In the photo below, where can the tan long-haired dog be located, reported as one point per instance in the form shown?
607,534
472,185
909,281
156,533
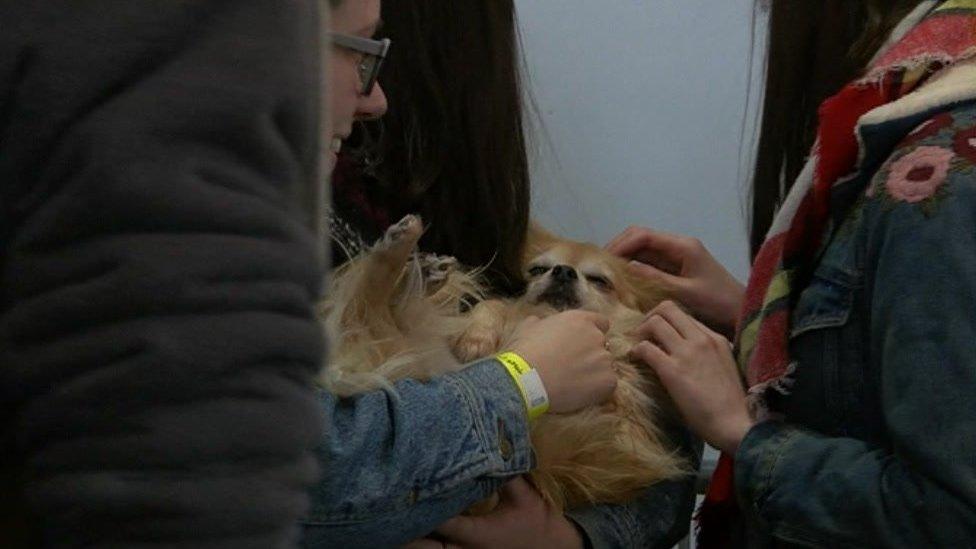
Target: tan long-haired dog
394,314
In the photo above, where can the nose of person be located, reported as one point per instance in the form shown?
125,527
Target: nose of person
372,106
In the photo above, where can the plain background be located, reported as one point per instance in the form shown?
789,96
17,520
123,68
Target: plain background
643,109
645,115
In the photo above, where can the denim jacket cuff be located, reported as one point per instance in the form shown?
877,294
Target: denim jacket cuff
500,417
756,463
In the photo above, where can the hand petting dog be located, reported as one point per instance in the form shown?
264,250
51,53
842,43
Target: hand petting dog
684,268
696,367
694,363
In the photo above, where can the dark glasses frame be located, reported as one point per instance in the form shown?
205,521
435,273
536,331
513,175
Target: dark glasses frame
374,52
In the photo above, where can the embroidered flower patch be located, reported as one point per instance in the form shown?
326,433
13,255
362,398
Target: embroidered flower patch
964,143
929,128
919,174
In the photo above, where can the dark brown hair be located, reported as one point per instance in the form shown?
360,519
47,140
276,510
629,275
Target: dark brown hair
452,146
815,48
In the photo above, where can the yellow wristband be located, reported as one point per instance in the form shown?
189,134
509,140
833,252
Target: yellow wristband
529,383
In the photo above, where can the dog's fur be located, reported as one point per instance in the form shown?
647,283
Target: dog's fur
394,314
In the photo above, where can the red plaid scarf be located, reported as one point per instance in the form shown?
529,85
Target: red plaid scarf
945,36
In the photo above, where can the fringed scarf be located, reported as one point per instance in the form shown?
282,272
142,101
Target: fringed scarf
933,38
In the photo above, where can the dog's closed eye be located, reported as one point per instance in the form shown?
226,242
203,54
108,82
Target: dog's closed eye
538,270
601,282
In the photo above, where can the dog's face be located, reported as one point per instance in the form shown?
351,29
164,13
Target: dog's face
574,275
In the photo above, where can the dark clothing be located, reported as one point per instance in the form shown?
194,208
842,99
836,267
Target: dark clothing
158,271
358,217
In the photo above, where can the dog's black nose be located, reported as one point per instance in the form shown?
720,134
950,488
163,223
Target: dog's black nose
563,273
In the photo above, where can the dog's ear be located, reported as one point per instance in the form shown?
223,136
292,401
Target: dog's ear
649,293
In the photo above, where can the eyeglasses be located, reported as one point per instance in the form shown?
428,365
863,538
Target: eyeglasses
374,52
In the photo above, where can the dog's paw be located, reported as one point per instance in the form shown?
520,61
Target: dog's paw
401,236
408,227
477,342
436,268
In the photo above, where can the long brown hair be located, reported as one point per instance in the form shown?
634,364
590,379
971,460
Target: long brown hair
815,48
452,146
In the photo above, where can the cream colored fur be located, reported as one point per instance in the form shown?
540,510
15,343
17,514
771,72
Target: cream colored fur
393,314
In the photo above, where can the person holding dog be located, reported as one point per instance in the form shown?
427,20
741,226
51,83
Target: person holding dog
454,147
844,412
398,463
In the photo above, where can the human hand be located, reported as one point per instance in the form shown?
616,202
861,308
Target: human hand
696,366
521,520
687,271
569,350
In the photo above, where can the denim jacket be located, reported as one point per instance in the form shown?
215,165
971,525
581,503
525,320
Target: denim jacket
398,463
878,446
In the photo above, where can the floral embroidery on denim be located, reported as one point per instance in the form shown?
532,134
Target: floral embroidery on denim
917,177
964,143
924,166
929,128
919,174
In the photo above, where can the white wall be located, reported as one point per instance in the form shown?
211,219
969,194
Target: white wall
642,105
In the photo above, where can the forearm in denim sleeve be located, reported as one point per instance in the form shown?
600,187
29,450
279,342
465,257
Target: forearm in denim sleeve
411,457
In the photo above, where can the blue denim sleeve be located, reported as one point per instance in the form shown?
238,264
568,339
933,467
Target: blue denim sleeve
659,518
397,463
919,490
